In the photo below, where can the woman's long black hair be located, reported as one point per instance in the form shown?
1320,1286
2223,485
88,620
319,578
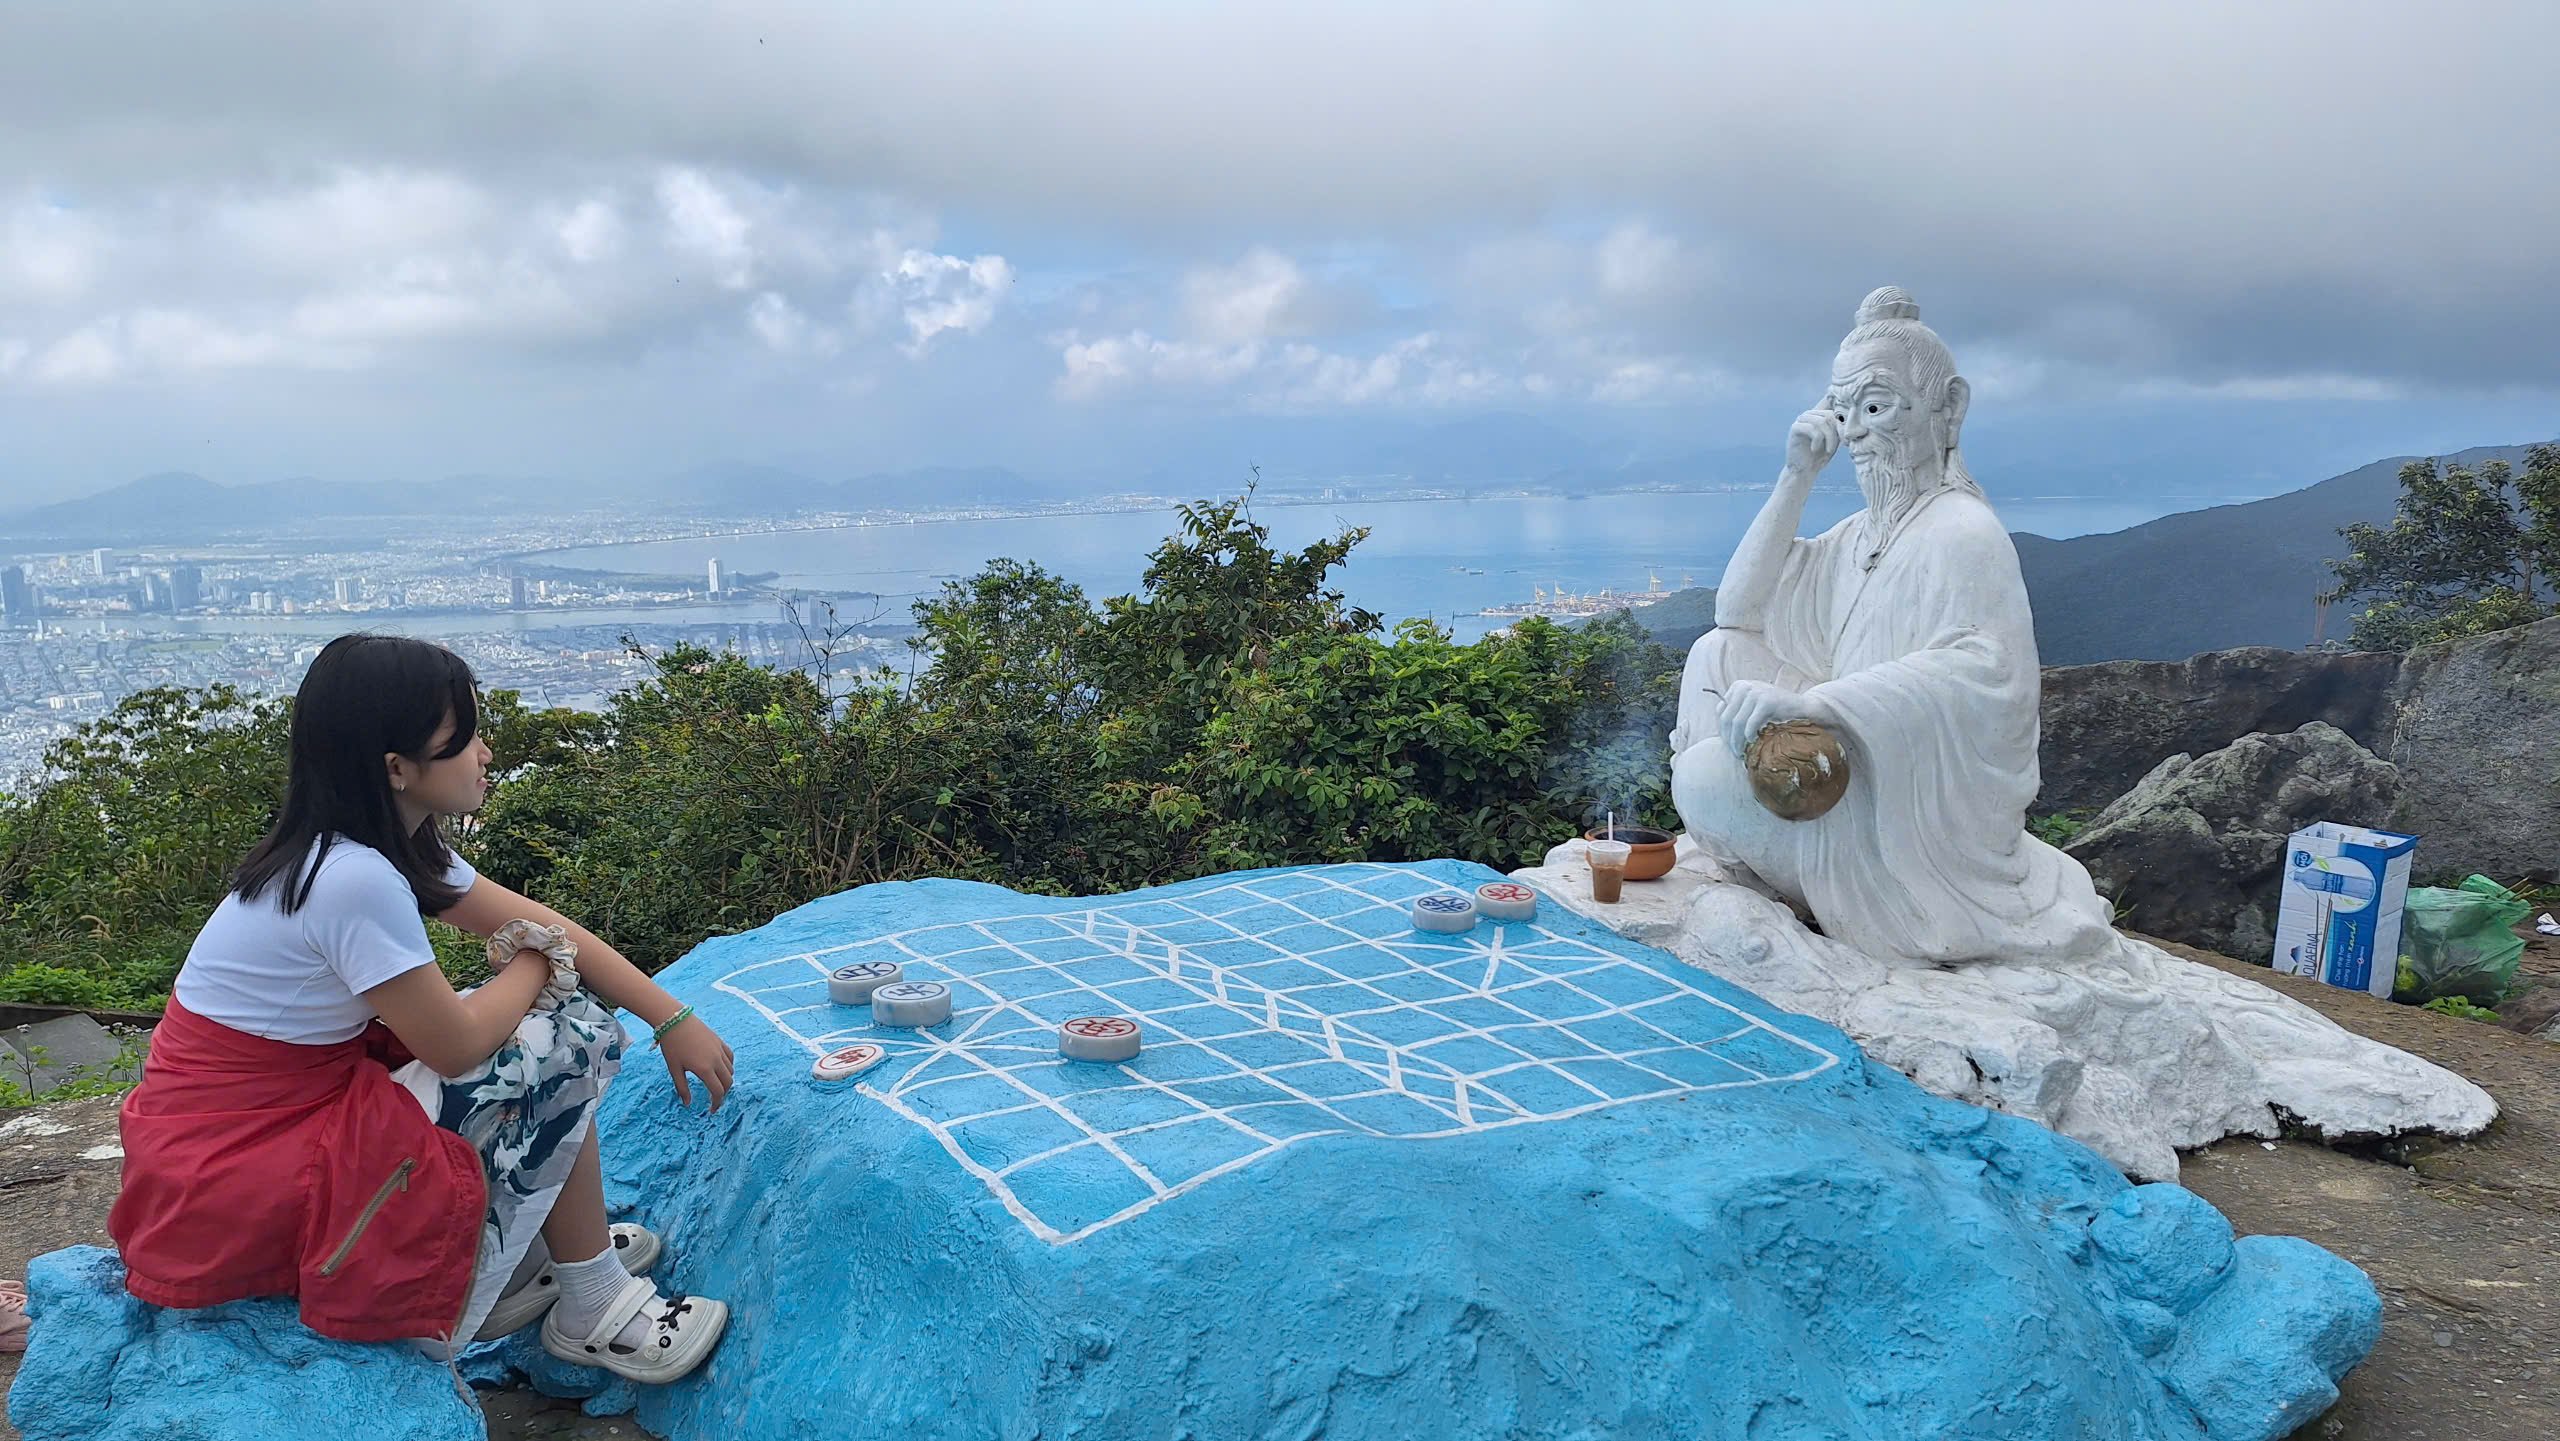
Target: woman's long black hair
366,696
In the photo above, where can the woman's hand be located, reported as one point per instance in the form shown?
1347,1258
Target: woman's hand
696,1048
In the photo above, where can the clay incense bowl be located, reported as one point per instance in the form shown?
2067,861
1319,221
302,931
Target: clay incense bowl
1649,851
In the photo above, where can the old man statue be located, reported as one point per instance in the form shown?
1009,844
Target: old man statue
1903,632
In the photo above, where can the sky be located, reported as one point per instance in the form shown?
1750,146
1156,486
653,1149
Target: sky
2171,244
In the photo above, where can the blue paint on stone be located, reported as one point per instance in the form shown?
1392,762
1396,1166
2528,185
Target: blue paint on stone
1532,1180
1656,1206
102,1366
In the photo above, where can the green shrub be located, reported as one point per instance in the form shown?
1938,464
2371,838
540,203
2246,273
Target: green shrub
1233,712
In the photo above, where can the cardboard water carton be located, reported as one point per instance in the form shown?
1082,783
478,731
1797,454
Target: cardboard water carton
2343,891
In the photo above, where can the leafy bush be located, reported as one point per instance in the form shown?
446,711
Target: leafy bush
2462,556
1233,712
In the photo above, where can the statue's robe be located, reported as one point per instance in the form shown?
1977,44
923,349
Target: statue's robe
1930,661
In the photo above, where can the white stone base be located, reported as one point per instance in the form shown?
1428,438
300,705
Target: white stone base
2138,1054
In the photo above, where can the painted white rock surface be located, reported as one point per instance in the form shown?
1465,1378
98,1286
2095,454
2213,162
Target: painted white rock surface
2136,1053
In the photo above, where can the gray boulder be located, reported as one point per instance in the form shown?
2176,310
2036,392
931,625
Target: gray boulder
2476,732
2192,852
2107,725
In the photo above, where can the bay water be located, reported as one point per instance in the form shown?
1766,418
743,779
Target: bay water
1443,559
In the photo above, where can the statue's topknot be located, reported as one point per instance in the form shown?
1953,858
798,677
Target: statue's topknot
1887,302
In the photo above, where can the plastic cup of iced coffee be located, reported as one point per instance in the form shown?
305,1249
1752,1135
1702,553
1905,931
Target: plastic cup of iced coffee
1608,869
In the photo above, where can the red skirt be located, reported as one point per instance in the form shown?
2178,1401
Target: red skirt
266,1168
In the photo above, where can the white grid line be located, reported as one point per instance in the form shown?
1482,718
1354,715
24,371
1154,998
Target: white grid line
1222,1043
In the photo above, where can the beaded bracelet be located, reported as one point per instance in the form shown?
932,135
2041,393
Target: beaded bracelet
670,1023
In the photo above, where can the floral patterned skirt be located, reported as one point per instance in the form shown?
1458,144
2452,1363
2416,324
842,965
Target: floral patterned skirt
526,1110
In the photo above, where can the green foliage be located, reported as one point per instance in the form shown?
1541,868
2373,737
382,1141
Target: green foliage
129,839
1233,712
2459,1009
1347,747
2463,556
2059,828
519,738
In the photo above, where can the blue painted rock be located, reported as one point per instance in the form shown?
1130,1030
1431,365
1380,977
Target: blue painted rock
102,1366
1521,1182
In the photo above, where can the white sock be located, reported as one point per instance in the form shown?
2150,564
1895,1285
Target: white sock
587,1288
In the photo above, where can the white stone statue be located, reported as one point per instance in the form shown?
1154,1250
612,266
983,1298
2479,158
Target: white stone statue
1904,632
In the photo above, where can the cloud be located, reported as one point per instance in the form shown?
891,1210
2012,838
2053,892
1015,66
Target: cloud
702,221
2308,386
1636,262
1259,297
87,354
352,268
48,253
592,232
1319,206
939,293
786,331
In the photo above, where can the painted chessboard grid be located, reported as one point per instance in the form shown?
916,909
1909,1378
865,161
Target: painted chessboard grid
1276,1008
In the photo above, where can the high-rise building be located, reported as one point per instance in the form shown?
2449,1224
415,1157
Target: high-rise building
186,588
715,575
17,598
515,591
102,560
345,590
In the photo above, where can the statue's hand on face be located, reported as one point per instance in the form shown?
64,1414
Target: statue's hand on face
1812,441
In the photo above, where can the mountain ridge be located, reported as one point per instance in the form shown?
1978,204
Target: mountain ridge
2212,579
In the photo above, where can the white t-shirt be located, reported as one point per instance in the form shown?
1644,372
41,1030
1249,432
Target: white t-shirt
300,978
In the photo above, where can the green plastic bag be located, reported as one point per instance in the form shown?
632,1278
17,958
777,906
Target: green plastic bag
2460,942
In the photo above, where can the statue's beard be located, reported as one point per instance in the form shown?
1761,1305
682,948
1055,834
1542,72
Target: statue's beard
1888,476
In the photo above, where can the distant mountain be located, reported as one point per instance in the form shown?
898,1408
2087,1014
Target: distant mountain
176,503
2209,579
182,506
1481,449
2174,587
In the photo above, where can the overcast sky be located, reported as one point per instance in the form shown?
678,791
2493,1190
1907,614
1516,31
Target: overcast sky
399,242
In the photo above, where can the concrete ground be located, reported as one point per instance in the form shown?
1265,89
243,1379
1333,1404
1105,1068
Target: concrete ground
2462,1237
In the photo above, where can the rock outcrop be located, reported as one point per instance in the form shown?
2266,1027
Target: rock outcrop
2136,1053
2195,851
2473,725
2475,730
1533,1180
102,1366
2107,725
